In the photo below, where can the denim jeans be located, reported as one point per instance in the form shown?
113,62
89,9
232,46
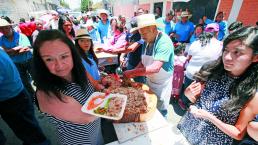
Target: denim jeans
18,113
187,82
24,69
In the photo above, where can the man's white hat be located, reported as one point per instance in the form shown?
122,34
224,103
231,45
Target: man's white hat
185,14
103,11
145,20
4,23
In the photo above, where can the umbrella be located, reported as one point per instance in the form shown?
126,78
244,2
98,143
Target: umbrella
63,10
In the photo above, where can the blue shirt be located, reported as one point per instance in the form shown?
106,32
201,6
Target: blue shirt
10,81
91,69
222,29
103,29
168,28
184,30
18,40
208,21
135,57
94,34
193,38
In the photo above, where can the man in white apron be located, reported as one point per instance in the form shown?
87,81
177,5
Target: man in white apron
157,60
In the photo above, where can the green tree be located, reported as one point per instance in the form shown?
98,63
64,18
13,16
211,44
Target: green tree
85,5
64,4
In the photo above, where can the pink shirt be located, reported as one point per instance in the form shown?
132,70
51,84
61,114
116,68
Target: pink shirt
117,41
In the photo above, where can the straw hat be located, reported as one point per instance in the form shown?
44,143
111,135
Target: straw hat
103,11
82,33
185,14
4,23
145,20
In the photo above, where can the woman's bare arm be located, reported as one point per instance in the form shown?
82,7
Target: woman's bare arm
68,109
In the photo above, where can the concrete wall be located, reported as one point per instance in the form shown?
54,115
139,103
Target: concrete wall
16,9
125,7
149,5
128,7
127,11
168,6
145,6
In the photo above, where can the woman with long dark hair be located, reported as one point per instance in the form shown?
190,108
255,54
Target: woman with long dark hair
62,89
229,99
84,45
66,26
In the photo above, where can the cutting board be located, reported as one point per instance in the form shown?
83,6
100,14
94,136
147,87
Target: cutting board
127,131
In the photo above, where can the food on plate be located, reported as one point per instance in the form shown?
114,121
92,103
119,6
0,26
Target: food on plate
95,102
105,105
100,110
112,107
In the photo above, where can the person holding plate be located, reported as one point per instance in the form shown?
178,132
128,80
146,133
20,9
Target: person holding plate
156,60
62,88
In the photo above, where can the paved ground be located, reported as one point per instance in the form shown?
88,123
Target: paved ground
175,114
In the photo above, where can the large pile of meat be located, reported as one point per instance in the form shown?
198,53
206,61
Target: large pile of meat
137,100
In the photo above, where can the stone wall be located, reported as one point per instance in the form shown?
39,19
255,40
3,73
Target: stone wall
16,9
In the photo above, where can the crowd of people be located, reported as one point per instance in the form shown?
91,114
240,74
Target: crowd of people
210,69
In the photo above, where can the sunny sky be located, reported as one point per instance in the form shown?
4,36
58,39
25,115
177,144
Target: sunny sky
76,3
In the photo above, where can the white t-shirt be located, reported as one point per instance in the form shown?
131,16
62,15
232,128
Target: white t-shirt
201,55
54,24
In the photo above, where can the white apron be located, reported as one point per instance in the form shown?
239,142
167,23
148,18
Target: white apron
160,83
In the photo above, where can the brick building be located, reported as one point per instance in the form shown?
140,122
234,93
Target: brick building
150,5
128,7
241,10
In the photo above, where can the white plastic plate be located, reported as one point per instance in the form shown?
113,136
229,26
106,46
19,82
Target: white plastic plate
103,103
